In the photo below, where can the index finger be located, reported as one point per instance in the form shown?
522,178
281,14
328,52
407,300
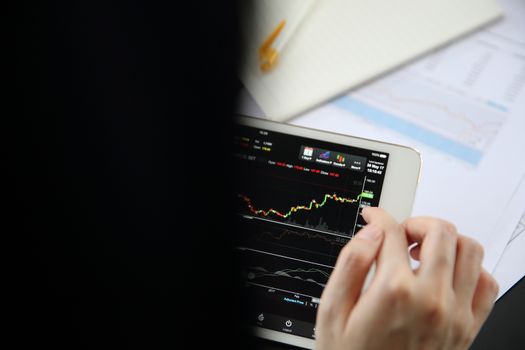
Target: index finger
347,279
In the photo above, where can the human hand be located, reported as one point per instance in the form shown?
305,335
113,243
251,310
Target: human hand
440,305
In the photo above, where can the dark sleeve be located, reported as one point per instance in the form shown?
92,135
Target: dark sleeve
123,174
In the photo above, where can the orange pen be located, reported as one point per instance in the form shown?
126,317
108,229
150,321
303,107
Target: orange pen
274,44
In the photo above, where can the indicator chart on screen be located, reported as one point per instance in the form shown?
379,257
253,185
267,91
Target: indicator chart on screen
295,242
284,273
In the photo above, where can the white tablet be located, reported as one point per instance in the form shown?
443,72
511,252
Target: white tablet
298,202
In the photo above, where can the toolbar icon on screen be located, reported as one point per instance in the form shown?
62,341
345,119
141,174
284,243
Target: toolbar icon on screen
324,155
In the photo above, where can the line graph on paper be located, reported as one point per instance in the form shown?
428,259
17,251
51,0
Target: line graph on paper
466,123
440,119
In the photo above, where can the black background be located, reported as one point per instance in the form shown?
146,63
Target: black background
112,101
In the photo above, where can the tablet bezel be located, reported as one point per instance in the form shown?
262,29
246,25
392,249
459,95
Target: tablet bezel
397,195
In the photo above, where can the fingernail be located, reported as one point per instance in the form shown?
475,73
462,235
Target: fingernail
370,232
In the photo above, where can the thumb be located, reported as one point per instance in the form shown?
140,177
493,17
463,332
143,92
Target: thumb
347,279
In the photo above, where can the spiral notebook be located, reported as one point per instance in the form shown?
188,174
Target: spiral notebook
340,44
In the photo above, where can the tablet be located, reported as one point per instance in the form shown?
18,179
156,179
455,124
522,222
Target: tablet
298,201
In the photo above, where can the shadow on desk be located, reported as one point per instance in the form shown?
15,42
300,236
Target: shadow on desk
505,328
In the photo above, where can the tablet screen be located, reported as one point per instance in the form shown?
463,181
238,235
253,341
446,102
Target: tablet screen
298,202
